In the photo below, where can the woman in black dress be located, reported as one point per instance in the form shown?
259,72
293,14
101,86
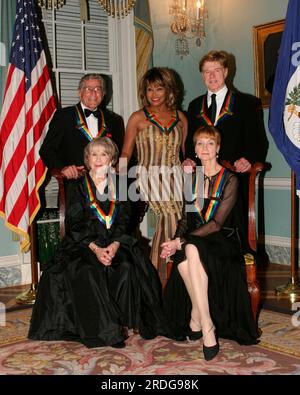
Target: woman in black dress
99,281
212,300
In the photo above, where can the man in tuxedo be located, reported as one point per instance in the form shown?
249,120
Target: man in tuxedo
238,117
72,128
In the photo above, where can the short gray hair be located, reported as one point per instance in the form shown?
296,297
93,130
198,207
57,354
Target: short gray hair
92,76
109,147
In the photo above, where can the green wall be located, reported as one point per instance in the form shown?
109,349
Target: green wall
228,27
7,246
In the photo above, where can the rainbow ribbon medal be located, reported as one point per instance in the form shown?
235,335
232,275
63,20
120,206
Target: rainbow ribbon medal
164,128
226,110
82,126
108,219
214,199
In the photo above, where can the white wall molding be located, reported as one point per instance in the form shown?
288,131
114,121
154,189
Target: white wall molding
19,261
277,241
26,273
10,260
276,183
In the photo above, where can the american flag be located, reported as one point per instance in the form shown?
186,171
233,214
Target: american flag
28,106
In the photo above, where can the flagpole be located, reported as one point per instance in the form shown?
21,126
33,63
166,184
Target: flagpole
29,296
292,288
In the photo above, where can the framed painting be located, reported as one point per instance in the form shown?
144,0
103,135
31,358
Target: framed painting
266,43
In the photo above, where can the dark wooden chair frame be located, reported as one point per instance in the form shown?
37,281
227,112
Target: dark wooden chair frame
251,267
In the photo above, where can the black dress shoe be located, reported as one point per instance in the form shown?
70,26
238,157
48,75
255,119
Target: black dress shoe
119,345
194,335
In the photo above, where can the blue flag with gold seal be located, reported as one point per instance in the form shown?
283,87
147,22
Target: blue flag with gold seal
284,117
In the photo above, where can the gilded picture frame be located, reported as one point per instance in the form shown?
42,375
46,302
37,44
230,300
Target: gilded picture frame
266,43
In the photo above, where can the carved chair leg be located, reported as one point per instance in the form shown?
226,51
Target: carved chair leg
253,288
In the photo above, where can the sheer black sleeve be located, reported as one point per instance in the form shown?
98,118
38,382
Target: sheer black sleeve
228,200
182,225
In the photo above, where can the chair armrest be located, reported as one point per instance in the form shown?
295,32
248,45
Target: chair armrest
255,169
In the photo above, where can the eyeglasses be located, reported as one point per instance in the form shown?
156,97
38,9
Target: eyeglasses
90,90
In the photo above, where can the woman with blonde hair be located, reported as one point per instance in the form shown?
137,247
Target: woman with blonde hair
99,282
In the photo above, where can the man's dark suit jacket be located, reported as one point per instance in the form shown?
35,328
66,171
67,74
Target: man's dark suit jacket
65,142
240,123
243,134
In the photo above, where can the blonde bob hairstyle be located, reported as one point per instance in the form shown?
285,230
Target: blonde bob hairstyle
160,76
109,146
209,131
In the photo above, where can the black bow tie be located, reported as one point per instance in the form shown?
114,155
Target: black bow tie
88,112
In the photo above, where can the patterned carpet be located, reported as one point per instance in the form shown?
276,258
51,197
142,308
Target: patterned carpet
277,353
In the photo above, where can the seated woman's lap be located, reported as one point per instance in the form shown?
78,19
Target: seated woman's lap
122,284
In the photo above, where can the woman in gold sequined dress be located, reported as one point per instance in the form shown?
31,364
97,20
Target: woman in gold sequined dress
158,131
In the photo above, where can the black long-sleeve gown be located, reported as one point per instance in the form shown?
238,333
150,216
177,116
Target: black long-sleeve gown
80,299
217,241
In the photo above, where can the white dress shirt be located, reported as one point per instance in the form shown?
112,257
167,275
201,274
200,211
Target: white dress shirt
220,96
91,121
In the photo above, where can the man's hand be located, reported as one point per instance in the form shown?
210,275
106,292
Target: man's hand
73,171
242,165
188,166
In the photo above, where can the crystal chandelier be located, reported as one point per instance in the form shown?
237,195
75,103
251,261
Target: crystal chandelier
49,4
187,23
117,8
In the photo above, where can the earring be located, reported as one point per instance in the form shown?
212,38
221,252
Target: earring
196,156
217,155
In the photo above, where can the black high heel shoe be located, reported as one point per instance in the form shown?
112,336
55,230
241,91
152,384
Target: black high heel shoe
194,335
211,352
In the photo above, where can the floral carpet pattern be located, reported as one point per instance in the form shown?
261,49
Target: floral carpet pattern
277,353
